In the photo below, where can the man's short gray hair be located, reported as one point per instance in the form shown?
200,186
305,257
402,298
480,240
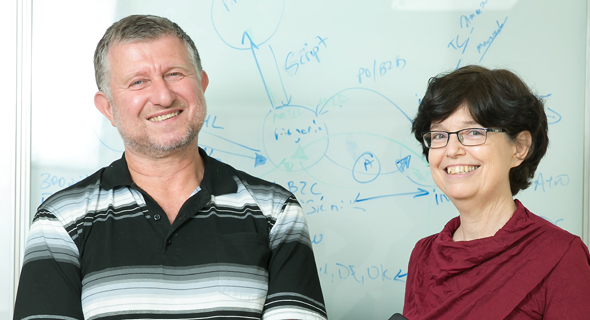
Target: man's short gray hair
137,28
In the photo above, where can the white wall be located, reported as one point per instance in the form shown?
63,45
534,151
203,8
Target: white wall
8,23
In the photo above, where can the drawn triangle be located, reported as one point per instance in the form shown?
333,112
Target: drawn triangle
299,154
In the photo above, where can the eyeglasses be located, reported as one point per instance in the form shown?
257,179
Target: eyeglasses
467,137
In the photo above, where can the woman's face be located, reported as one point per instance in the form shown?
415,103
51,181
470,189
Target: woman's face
473,173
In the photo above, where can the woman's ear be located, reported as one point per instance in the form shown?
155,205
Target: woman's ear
522,146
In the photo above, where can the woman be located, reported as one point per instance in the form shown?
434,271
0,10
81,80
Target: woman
483,134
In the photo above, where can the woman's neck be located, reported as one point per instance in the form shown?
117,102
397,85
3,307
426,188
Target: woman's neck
481,221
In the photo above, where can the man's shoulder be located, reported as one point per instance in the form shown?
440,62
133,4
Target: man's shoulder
76,192
103,179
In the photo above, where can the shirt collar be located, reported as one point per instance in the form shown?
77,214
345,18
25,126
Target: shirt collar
116,175
217,179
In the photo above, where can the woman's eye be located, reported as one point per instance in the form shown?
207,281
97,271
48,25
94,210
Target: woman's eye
438,136
475,133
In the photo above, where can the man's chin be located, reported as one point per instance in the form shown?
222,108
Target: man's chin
159,149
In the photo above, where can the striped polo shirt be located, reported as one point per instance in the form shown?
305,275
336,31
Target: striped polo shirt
104,249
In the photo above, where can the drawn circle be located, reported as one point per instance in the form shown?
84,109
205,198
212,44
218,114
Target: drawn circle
243,24
363,120
107,135
366,168
294,138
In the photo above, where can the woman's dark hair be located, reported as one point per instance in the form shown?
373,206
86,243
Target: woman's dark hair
496,99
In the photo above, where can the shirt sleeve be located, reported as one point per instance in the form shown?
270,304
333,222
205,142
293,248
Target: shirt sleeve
294,290
568,285
50,280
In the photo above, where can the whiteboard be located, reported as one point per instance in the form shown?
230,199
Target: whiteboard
318,96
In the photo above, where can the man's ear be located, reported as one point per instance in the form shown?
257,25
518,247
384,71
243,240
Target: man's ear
522,147
103,105
204,80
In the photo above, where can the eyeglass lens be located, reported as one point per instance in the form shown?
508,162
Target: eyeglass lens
468,137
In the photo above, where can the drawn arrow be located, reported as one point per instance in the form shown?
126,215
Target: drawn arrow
420,193
258,158
247,40
253,48
399,276
287,97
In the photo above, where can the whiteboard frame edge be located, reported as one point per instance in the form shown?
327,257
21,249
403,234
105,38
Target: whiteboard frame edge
23,134
586,159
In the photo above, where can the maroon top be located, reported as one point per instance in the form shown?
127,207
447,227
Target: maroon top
530,269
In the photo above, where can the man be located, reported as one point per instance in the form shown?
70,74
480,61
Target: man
165,232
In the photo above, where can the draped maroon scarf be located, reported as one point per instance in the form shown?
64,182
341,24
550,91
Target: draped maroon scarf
485,278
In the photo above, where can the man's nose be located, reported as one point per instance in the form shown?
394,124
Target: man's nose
162,94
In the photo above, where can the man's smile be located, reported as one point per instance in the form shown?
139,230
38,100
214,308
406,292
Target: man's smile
164,117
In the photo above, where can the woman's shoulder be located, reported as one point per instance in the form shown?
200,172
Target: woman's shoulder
426,241
578,249
445,235
525,224
547,229
424,246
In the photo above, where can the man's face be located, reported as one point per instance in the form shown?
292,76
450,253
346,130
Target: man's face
157,98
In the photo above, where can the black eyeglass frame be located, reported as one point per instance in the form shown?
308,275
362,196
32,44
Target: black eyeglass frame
486,130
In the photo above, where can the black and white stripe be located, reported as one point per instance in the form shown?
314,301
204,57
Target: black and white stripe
102,253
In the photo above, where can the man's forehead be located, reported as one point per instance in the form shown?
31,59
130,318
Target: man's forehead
130,57
144,40
172,44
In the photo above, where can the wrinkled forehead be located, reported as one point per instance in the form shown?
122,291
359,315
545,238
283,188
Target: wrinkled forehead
144,40
154,58
169,46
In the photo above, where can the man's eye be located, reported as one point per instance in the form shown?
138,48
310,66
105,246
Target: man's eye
175,75
136,83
